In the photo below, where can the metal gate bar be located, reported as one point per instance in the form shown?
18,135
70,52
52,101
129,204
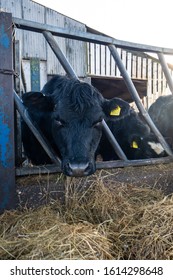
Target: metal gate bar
86,36
100,165
136,98
67,67
24,113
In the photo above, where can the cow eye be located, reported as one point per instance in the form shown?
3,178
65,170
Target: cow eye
58,122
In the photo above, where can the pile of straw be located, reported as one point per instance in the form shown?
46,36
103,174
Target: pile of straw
101,221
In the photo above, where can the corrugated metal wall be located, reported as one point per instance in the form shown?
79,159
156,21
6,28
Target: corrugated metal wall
85,58
34,44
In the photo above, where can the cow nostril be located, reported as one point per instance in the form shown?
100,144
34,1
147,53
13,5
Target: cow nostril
81,169
80,166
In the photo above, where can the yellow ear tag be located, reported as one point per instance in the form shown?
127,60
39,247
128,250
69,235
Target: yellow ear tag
116,111
134,145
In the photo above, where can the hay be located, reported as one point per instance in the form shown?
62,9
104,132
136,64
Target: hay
99,220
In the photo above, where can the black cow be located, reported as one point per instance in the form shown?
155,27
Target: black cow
134,137
161,112
69,114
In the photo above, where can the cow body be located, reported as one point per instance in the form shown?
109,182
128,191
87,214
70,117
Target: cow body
161,112
69,114
134,137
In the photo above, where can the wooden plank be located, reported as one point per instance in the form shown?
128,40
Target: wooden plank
166,71
149,75
144,68
160,79
118,74
7,147
129,63
107,62
97,61
139,69
134,70
102,60
91,68
124,58
154,76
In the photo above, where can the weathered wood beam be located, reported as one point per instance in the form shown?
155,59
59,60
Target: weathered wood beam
86,36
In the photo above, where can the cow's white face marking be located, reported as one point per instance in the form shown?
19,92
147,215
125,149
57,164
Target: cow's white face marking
157,147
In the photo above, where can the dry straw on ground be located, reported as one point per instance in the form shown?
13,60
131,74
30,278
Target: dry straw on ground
99,220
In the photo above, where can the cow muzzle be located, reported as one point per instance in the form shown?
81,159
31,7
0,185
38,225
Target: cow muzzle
78,169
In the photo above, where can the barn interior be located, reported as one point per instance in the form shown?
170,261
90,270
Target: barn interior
115,87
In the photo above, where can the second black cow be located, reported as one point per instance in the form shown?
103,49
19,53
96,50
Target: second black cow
161,112
134,137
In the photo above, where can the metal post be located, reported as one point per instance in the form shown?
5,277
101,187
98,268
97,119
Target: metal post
136,98
166,71
7,150
68,68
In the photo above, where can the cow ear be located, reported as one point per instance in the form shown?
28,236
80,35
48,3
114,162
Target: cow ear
37,100
116,108
135,142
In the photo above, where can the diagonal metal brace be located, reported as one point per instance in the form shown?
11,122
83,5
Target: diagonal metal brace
24,113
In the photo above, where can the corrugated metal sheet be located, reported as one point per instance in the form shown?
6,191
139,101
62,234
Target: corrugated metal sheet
85,58
34,44
52,19
76,50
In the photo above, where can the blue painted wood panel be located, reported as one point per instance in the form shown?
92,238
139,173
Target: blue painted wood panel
35,74
7,156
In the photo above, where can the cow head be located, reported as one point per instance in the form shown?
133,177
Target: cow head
71,117
146,146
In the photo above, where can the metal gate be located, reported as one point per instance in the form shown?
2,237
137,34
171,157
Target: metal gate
7,94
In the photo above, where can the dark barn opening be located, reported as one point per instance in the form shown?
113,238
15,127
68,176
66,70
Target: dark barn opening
115,87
